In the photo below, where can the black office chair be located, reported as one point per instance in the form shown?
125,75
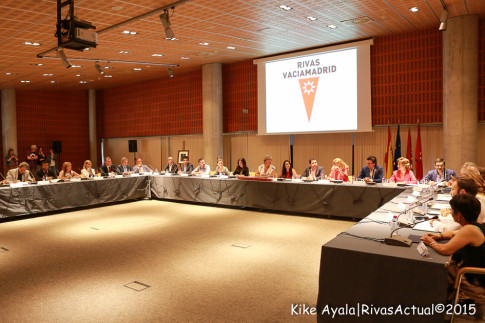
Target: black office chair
457,285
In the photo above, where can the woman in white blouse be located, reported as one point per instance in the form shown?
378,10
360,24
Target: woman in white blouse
87,170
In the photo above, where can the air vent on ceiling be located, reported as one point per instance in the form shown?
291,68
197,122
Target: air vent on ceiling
357,21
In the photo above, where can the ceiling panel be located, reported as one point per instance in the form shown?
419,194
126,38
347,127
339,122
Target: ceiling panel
254,27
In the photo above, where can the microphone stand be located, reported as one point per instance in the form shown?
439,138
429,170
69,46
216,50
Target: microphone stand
400,240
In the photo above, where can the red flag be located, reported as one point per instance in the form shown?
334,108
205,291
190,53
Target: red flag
409,150
419,157
389,158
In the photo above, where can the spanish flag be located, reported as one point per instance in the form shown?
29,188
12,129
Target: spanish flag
389,158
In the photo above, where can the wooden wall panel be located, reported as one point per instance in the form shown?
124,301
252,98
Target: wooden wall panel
149,150
407,78
165,106
481,70
47,116
240,108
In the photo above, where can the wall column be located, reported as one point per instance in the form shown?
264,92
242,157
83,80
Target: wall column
460,91
93,152
212,113
9,124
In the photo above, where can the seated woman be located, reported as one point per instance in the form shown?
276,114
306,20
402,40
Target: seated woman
266,169
288,171
67,172
87,170
466,246
220,168
403,173
241,168
339,171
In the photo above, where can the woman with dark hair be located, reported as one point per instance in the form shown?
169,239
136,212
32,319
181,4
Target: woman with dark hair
12,159
288,171
466,246
41,154
241,168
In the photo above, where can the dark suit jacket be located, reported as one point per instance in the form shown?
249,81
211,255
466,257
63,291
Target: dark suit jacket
120,169
190,169
175,168
40,174
319,173
105,172
433,175
378,173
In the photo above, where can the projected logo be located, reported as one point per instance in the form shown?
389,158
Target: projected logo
308,89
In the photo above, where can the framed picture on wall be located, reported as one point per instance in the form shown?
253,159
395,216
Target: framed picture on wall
182,154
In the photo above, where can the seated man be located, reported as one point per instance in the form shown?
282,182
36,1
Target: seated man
469,168
266,169
466,246
124,168
171,166
462,185
440,173
45,173
313,172
372,172
202,169
186,167
108,168
19,174
140,167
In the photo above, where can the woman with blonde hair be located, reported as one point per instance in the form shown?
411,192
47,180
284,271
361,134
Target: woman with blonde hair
67,172
87,170
403,172
339,171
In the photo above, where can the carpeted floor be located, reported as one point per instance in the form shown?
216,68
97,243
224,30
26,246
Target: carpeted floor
203,264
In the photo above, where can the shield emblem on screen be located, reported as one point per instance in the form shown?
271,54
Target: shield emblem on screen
308,88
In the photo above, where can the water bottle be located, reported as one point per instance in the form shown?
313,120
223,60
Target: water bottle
394,224
410,214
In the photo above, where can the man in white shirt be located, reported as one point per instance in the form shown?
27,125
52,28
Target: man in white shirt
202,169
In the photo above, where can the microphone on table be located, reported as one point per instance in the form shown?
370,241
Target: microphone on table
401,241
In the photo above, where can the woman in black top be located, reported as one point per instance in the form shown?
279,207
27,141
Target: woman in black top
466,245
241,168
41,154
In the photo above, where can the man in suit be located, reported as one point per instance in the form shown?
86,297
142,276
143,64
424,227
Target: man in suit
440,173
108,167
124,168
372,172
20,174
45,172
171,166
313,172
186,167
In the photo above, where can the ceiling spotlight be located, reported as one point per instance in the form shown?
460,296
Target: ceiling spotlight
311,18
98,68
170,72
332,26
165,19
443,19
414,9
285,7
60,53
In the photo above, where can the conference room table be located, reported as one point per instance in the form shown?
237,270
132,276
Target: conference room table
350,200
357,272
27,199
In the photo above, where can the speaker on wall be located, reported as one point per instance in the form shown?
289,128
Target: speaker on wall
57,147
132,146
